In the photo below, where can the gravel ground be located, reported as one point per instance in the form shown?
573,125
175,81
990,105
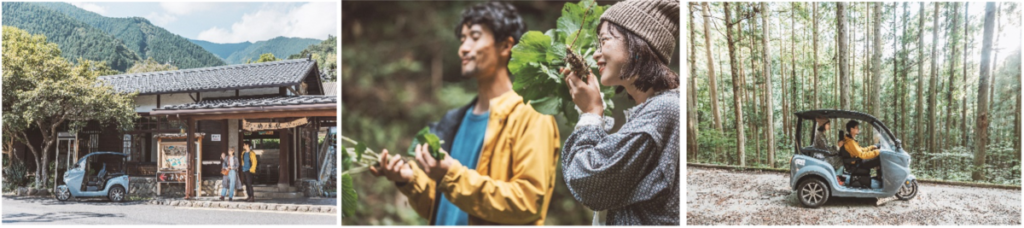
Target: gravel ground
719,197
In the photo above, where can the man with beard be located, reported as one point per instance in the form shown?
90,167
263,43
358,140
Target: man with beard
502,165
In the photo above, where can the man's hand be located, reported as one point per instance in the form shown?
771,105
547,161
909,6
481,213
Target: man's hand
435,169
393,168
586,95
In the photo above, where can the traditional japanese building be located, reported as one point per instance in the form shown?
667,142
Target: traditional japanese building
280,107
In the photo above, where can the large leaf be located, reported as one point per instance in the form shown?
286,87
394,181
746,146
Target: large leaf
538,56
349,198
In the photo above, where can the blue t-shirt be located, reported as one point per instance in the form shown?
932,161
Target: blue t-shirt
466,149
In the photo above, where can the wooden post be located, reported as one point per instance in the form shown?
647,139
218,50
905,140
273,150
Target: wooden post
190,149
284,173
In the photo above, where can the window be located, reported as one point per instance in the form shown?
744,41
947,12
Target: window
94,142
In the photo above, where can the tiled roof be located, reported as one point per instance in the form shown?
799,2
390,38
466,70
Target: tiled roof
255,102
240,76
330,88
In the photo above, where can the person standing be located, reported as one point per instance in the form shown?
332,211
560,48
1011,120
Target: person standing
230,163
634,172
248,170
504,154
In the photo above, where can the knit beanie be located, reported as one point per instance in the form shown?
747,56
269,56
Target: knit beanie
656,21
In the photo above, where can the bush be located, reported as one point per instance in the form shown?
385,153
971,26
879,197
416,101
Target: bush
15,175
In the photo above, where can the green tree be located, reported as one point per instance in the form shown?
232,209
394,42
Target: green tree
43,90
265,57
150,65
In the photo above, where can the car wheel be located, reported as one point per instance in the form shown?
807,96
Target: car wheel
813,192
116,194
63,194
908,191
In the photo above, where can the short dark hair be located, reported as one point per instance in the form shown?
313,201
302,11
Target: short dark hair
247,144
502,18
850,125
651,71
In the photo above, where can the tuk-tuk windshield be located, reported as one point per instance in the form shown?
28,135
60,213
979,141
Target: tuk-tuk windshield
882,140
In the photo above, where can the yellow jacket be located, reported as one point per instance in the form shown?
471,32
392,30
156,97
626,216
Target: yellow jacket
856,151
515,174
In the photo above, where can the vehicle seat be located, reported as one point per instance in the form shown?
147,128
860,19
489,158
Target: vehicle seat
859,176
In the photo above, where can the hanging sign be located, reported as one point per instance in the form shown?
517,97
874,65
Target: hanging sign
269,125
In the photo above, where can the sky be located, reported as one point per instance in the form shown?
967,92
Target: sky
230,22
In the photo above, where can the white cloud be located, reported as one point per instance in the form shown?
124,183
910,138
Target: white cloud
90,7
182,8
310,20
161,19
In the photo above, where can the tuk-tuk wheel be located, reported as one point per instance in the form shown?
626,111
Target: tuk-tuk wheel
813,192
116,194
908,190
63,194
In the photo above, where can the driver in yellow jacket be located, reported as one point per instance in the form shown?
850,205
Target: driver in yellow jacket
868,154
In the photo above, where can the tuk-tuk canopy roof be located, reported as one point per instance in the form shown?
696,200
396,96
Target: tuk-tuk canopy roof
836,113
102,153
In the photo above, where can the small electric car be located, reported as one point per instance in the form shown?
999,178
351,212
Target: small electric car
98,174
814,174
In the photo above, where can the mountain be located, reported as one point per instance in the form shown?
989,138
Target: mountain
74,38
326,55
238,53
142,37
221,50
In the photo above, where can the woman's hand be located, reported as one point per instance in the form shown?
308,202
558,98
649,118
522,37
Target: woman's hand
587,96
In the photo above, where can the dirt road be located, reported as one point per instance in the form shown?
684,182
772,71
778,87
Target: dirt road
720,196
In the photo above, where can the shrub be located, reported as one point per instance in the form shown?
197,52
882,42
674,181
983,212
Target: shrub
17,175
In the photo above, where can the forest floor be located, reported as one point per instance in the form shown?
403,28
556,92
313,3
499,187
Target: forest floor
722,196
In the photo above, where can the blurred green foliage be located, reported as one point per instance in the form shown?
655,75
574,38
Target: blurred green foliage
400,71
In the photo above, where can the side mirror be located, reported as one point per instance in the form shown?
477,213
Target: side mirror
899,144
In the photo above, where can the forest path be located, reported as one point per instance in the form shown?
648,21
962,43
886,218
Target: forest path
722,196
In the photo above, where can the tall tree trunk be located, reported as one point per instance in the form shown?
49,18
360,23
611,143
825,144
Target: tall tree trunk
995,59
919,110
1020,111
715,110
737,83
903,95
770,122
814,31
792,68
756,105
981,124
844,90
933,85
876,60
691,97
963,86
955,37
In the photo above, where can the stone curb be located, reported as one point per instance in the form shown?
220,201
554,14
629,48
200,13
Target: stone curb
246,205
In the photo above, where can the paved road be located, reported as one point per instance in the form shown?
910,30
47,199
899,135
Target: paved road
719,196
26,211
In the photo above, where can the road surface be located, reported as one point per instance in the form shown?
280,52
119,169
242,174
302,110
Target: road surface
720,196
29,211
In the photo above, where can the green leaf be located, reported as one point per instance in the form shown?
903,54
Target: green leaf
349,198
433,143
416,141
360,148
346,161
532,47
547,105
